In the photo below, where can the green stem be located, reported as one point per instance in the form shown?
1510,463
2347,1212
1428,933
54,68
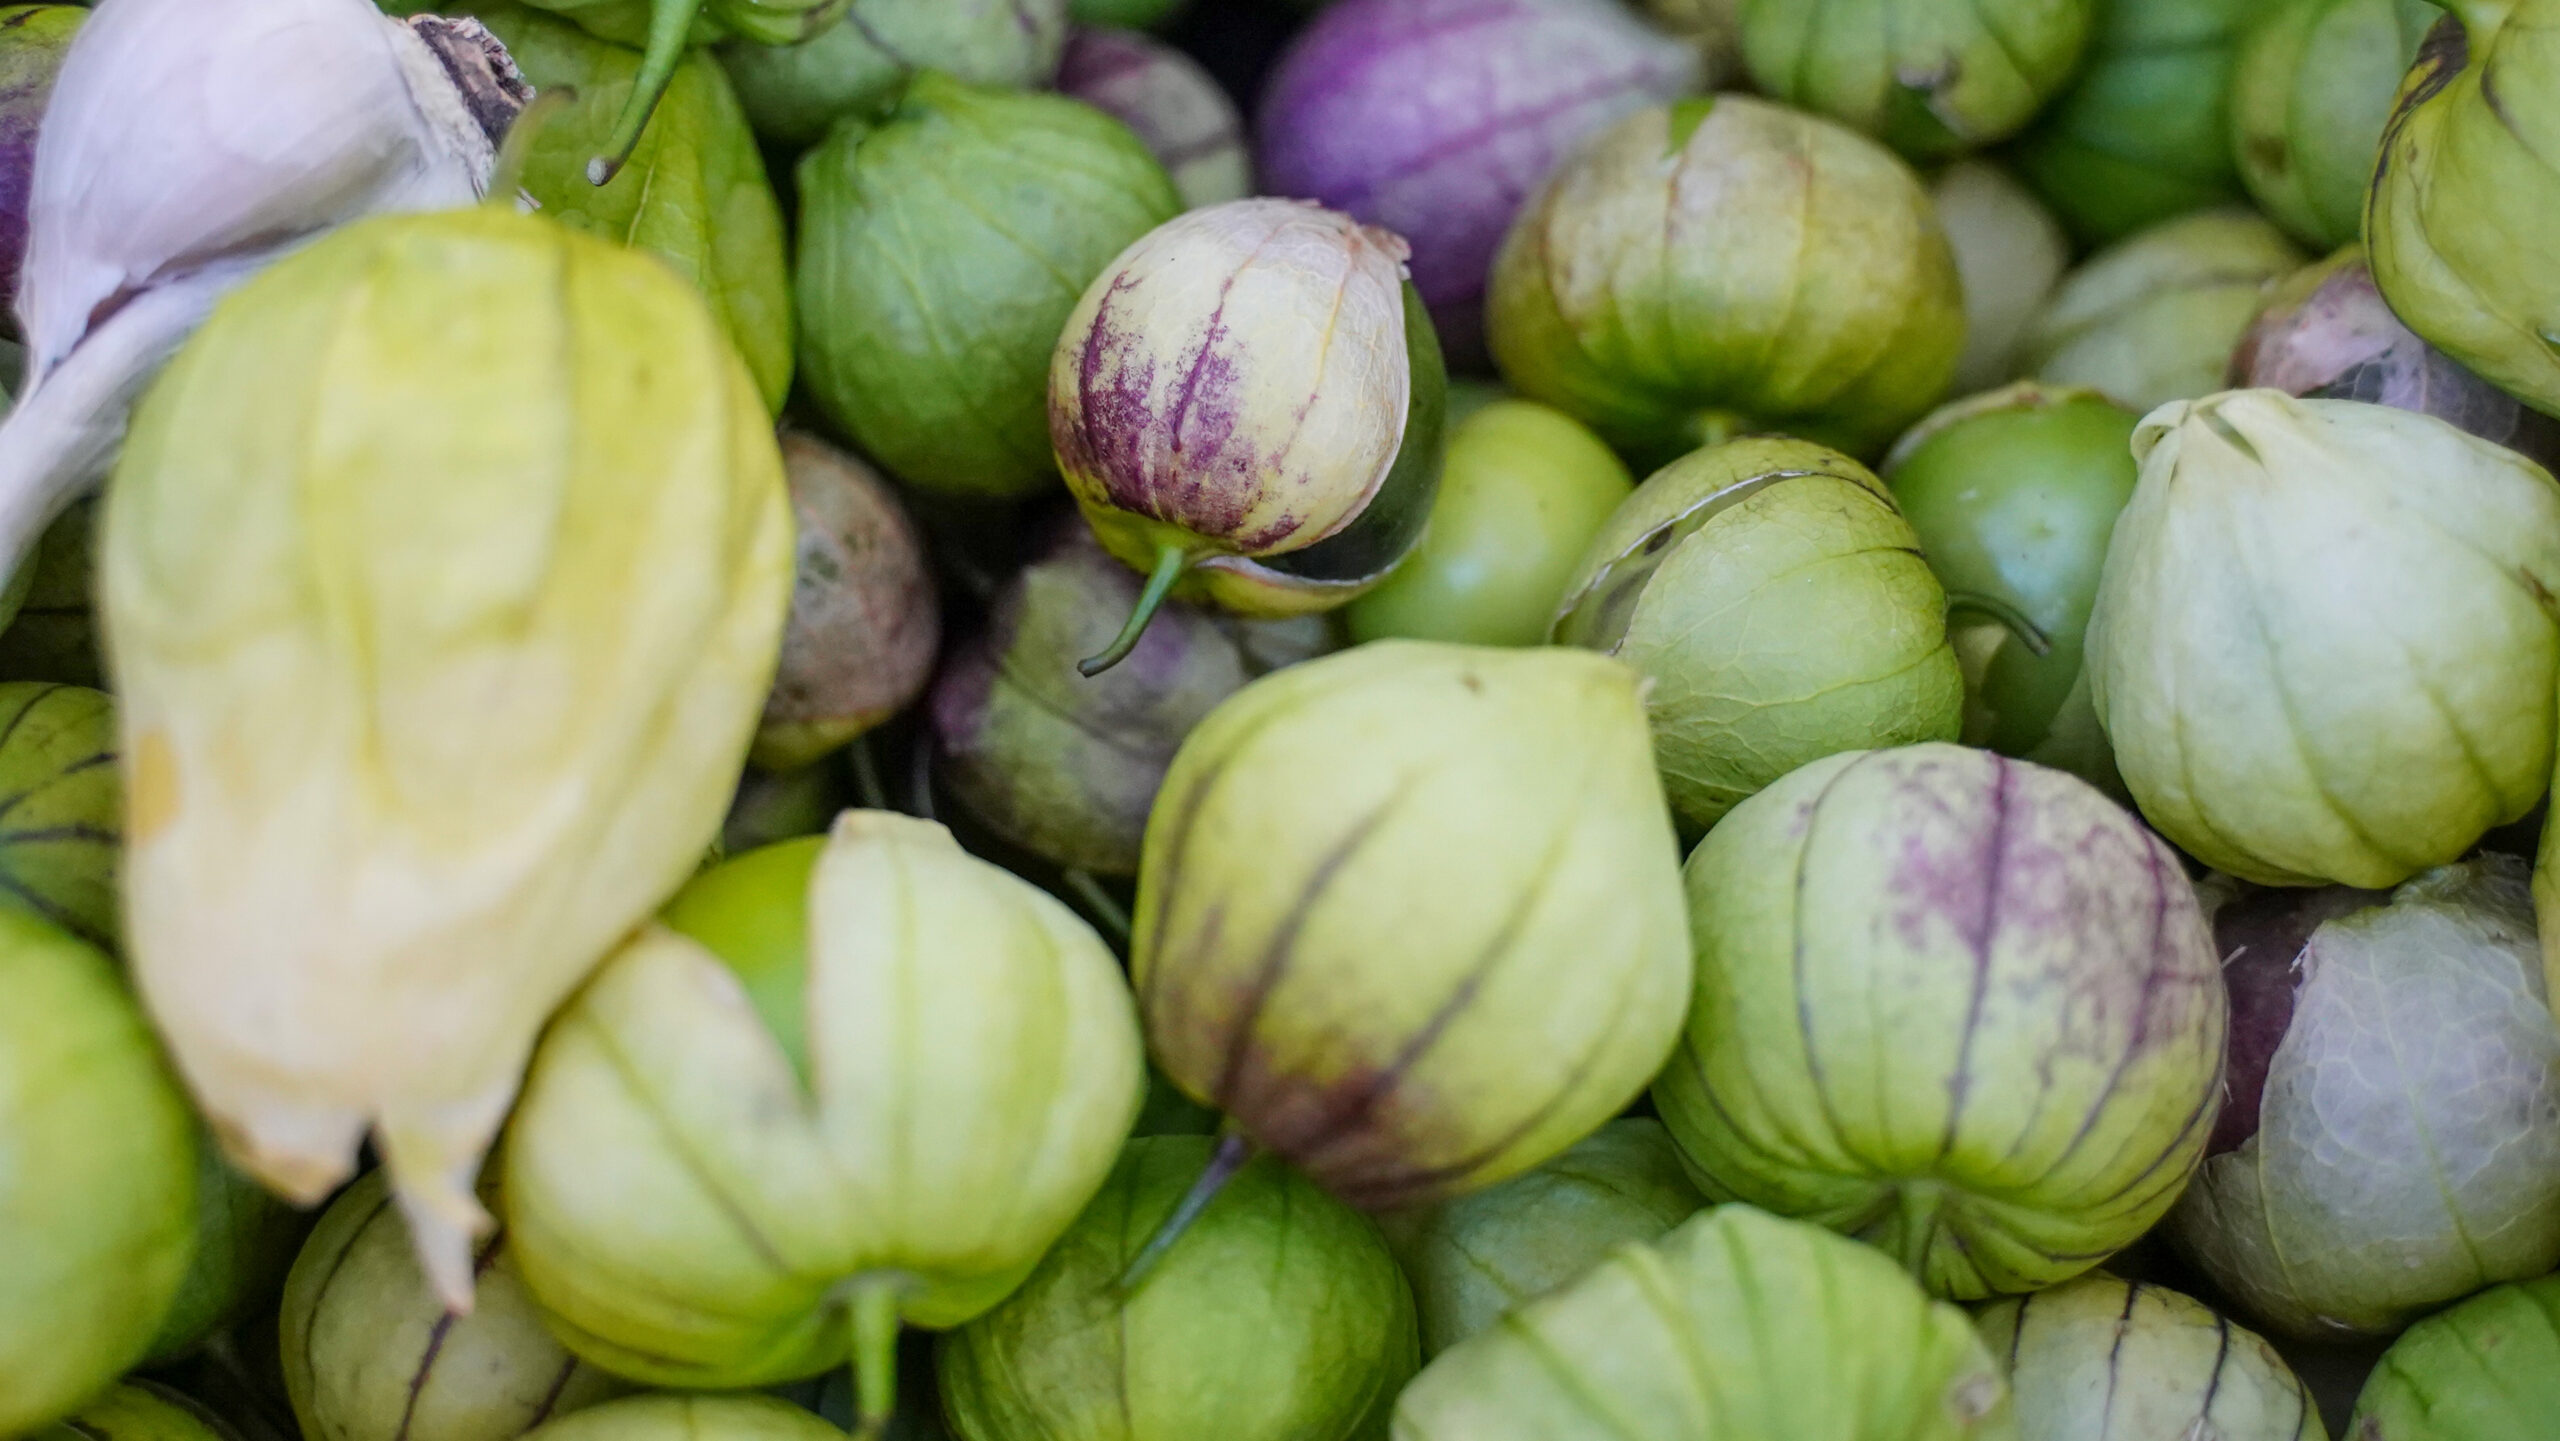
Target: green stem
1171,562
506,176
670,26
1230,1157
875,1354
2029,634
1105,908
866,775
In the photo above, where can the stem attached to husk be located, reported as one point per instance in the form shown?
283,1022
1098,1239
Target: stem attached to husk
2011,619
1099,903
874,1307
1171,562
670,26
506,177
1230,1157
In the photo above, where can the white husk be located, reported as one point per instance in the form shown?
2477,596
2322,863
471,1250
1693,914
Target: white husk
187,145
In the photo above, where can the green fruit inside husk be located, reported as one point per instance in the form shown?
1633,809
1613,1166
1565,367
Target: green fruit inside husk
61,807
2013,496
2154,317
1476,1259
1931,78
2314,85
370,1354
97,1176
1778,602
941,250
137,1410
689,1418
2144,133
2486,1370
2099,1358
1738,1324
54,636
794,93
1522,490
1278,1316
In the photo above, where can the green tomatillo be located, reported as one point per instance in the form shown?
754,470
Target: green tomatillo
137,1411
371,1354
2013,495
941,250
1777,603
1489,817
1280,1316
2325,642
846,1084
2099,1359
854,66
98,1189
1724,265
1931,78
2465,194
61,807
1737,1324
689,1418
1247,407
2153,318
2144,133
2486,1370
1476,1259
1523,489
1959,1006
2314,85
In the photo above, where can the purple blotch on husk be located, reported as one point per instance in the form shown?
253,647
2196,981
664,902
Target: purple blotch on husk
1439,118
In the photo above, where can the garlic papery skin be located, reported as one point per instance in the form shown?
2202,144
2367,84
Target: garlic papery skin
189,143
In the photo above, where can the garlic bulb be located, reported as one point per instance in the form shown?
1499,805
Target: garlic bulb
189,143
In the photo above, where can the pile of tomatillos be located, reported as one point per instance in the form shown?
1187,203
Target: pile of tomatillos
1268,720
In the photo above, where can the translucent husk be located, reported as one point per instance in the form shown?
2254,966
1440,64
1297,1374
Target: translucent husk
403,760
2100,1357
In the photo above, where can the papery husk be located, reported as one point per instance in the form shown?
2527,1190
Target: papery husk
403,759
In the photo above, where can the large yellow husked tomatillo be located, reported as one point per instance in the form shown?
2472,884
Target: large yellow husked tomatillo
2325,641
1411,914
445,570
848,1083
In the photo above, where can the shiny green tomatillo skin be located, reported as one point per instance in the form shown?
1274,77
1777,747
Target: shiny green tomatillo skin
2325,642
1476,1259
794,93
690,1418
1278,1316
2013,495
2465,196
1247,405
370,1353
2099,1358
941,250
1737,1324
1779,605
1727,265
881,1076
1523,489
1962,1007
61,807
1490,818
1931,78
2405,1150
99,1185
692,194
137,1411
2154,317
2485,1370
2144,133
2313,89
